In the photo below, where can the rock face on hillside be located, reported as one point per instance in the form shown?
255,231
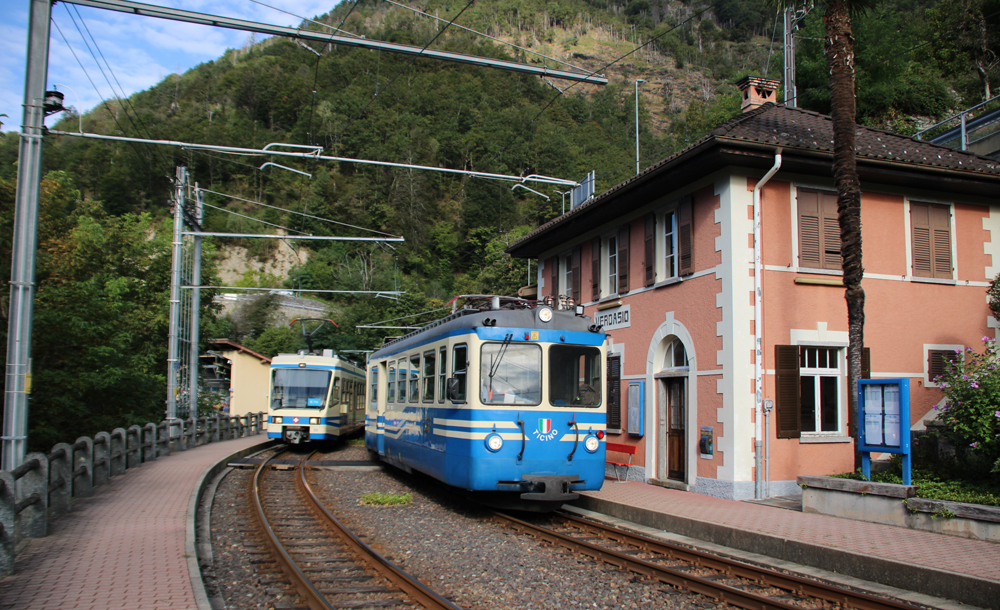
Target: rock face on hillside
237,263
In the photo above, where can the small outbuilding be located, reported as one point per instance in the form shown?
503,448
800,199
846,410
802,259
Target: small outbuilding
249,376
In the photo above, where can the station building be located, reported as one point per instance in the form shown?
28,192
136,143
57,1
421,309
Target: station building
241,374
665,261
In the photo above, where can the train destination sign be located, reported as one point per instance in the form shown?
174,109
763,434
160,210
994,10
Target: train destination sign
613,318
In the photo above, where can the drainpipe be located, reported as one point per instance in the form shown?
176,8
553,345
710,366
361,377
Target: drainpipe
758,329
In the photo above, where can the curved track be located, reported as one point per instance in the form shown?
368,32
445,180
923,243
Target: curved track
327,564
736,583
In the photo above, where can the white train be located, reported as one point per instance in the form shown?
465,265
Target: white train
315,397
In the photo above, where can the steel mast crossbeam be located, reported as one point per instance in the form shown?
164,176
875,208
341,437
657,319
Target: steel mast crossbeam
149,10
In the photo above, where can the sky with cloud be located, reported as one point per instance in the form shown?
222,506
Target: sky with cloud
140,51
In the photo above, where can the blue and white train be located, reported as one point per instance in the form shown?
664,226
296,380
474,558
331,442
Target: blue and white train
504,400
314,397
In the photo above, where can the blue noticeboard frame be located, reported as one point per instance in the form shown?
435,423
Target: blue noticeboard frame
636,398
884,421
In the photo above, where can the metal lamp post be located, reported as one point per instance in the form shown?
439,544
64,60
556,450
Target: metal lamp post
637,81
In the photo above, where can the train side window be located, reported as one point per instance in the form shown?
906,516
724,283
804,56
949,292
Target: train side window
428,376
442,373
391,378
374,386
459,364
414,377
401,377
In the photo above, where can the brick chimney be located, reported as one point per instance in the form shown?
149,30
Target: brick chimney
757,91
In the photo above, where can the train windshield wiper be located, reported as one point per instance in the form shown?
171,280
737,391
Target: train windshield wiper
495,366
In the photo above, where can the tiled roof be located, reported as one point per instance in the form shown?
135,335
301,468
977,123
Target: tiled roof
232,345
801,129
775,126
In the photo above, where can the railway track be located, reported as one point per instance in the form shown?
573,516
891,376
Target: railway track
328,566
736,583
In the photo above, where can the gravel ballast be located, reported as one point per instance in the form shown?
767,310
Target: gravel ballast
444,540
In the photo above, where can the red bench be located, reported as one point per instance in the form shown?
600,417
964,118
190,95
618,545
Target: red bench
629,450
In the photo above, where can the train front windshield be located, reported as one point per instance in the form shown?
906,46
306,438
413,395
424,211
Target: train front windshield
299,388
574,376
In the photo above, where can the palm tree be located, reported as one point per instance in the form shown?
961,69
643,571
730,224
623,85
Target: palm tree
839,50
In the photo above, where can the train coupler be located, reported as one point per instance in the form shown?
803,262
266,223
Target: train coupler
550,487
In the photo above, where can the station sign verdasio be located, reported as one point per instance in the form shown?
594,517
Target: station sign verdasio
884,421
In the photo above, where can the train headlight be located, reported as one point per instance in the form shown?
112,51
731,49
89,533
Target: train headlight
591,443
275,419
314,421
494,442
545,314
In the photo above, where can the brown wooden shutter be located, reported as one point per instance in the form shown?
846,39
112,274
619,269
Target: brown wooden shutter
554,277
866,363
595,269
685,232
576,274
787,407
940,233
831,232
623,243
920,233
650,252
809,233
937,360
614,392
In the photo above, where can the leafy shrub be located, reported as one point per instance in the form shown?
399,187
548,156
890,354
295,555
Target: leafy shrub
970,413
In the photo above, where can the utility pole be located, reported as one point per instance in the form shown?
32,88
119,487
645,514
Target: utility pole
789,54
22,273
193,374
173,338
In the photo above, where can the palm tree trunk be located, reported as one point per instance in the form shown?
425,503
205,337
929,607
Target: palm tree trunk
840,59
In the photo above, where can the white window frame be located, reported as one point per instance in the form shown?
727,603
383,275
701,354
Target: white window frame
837,372
660,244
609,280
566,274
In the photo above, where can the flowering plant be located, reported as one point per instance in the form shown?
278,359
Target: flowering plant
970,412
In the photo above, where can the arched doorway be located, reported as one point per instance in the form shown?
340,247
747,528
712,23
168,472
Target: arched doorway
672,412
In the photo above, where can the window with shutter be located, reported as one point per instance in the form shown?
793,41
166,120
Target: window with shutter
554,276
576,274
650,249
614,420
685,237
930,240
819,230
595,269
612,249
786,404
623,244
937,362
567,275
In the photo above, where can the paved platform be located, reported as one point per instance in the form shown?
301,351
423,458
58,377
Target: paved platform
927,563
129,546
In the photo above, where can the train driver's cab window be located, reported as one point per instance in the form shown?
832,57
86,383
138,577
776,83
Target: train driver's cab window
510,374
442,374
414,377
428,377
574,376
459,372
299,388
391,378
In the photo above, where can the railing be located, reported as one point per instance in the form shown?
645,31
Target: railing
43,487
969,130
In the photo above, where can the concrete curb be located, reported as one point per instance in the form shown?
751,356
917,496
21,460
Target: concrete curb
191,539
921,579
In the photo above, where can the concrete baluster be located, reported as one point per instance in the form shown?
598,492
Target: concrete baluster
164,444
83,467
149,442
214,426
227,427
60,479
117,455
133,447
33,491
8,510
102,459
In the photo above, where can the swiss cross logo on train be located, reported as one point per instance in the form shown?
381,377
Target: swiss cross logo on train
295,420
544,432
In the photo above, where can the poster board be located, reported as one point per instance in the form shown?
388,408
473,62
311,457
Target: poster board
884,421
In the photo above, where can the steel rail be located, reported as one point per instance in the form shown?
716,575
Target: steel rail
310,594
789,582
702,585
417,591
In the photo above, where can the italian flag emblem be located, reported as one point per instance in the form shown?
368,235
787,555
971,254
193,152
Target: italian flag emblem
544,426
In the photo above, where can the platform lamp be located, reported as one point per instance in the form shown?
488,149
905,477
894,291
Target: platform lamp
637,81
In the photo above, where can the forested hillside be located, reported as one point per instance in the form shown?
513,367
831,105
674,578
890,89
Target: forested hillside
918,60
